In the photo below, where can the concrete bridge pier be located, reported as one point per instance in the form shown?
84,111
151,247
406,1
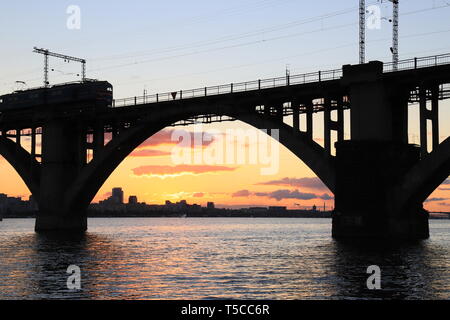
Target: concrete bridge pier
365,203
61,156
375,160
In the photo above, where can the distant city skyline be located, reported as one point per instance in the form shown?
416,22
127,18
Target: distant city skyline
117,197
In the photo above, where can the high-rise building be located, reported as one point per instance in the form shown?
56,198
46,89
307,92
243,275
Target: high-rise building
117,195
132,200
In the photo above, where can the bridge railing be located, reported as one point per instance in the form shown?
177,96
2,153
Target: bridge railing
328,75
417,63
231,88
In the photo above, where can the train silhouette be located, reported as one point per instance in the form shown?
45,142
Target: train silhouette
92,93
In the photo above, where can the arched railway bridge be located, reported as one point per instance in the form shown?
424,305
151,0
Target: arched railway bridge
379,180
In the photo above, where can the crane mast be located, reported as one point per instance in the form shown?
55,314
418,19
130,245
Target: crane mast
48,53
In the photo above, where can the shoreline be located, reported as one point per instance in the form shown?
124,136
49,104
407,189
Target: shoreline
189,217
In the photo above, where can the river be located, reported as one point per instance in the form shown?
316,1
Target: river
218,258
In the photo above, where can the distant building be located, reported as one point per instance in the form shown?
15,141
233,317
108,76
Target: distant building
3,203
277,208
113,203
117,195
257,209
210,205
314,208
15,205
132,200
32,203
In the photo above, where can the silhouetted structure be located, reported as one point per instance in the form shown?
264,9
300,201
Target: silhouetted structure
15,205
376,166
117,195
132,200
108,208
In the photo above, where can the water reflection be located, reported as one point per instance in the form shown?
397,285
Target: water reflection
414,270
34,265
217,259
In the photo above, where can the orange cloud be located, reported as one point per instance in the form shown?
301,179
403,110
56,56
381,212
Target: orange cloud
445,204
157,170
198,195
164,137
283,194
241,193
310,183
288,194
149,153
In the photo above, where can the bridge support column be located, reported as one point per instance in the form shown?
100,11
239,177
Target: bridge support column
365,205
60,165
98,138
279,112
295,116
369,166
309,120
333,125
327,125
432,115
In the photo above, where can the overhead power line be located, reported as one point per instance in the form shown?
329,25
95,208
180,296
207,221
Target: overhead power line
248,34
48,53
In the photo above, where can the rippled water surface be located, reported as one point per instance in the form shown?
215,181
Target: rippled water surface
215,258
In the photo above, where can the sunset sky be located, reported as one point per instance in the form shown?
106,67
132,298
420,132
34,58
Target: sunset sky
161,46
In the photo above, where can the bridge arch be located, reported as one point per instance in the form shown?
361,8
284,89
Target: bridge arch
27,167
426,176
93,176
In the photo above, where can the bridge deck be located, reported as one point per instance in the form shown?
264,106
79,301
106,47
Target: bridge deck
307,90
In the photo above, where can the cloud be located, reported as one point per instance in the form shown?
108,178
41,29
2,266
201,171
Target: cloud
164,137
446,182
106,195
157,170
326,196
149,153
241,193
436,199
283,194
288,194
444,204
310,183
198,195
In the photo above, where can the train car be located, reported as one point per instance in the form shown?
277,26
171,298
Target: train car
89,93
